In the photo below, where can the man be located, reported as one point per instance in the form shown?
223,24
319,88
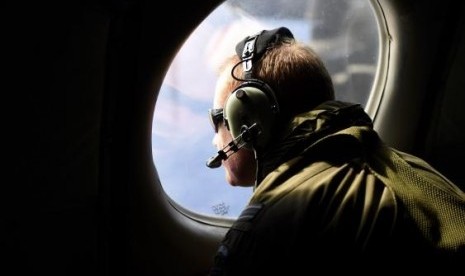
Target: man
328,193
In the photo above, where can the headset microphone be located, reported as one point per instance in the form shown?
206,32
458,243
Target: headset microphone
247,135
215,161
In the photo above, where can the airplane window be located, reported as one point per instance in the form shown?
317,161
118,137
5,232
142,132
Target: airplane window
343,32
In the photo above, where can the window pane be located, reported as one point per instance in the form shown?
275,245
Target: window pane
343,32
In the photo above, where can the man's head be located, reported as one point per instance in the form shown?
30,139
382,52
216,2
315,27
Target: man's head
298,80
240,167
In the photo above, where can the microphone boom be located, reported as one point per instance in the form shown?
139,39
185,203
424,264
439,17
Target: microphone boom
247,135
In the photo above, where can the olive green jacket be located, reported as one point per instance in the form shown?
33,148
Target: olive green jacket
332,194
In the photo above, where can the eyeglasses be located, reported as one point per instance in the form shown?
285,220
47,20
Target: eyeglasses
216,117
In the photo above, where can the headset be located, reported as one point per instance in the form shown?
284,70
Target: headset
253,104
249,113
252,108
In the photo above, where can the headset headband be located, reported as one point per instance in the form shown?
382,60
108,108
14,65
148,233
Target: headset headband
252,48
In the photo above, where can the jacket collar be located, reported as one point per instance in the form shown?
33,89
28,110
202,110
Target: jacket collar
306,128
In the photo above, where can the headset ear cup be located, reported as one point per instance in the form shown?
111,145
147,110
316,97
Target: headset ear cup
249,105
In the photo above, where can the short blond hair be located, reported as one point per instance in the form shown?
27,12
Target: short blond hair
293,70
